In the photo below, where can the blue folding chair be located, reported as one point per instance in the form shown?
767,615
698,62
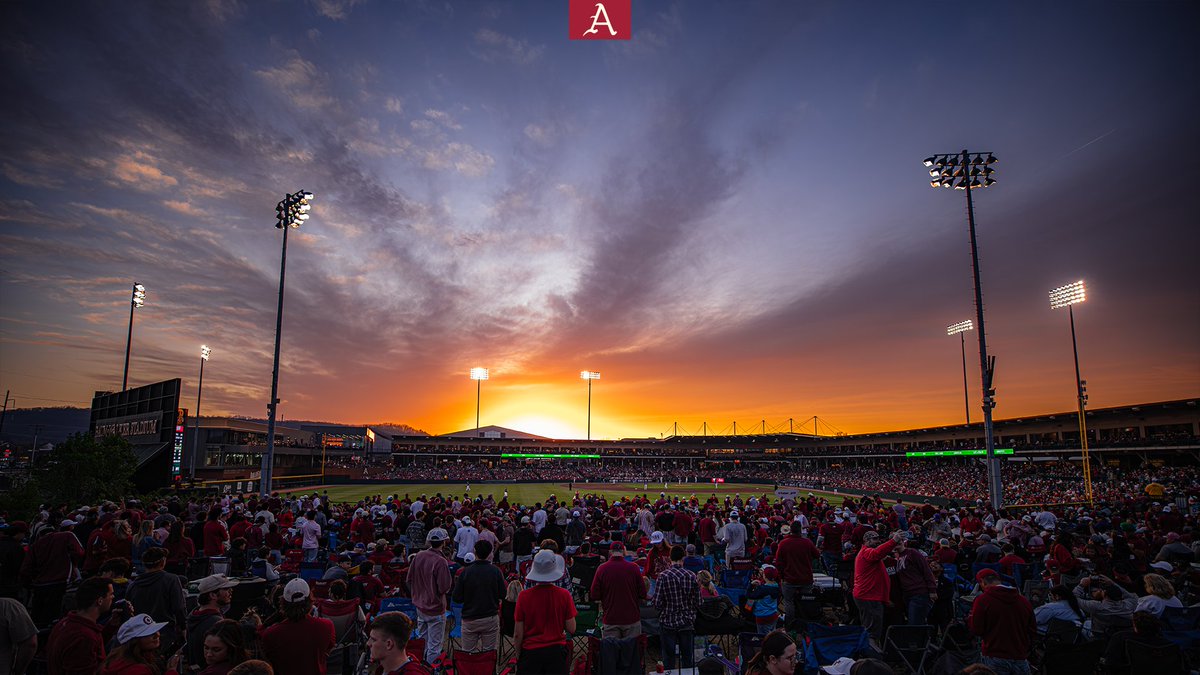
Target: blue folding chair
737,595
827,644
735,578
312,571
455,614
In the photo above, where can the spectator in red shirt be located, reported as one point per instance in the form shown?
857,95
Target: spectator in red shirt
708,533
619,587
683,526
47,568
76,646
831,544
215,534
794,559
300,644
872,588
658,559
1004,619
544,614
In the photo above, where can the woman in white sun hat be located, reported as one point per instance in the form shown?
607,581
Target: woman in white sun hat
544,615
137,653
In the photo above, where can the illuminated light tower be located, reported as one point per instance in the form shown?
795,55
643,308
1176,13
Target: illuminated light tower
1068,296
479,375
960,329
969,171
289,214
139,299
589,375
205,352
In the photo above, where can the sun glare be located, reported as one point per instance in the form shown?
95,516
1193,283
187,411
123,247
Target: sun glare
543,426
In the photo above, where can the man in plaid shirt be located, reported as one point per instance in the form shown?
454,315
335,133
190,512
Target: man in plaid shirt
676,595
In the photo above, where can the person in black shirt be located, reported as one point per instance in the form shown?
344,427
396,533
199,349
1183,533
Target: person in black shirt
480,588
523,541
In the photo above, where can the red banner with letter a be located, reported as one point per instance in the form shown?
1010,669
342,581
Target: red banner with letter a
600,20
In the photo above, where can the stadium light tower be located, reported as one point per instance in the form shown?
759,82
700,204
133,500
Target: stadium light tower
205,352
479,375
960,329
139,299
968,171
289,214
1068,296
589,375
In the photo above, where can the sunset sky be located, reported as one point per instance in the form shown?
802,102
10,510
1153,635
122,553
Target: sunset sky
727,215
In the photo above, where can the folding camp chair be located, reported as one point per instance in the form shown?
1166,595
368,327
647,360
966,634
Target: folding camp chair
827,644
748,646
312,571
1147,659
909,645
346,630
741,564
1077,659
320,589
1181,618
456,609
474,663
737,595
1062,631
735,578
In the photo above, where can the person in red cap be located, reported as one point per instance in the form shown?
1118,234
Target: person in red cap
1004,619
619,587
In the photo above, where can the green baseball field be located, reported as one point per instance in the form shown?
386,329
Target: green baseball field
530,493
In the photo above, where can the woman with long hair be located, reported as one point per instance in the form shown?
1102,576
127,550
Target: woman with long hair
776,656
137,650
224,648
1160,594
180,548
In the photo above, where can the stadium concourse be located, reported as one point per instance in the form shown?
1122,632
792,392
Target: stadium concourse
415,578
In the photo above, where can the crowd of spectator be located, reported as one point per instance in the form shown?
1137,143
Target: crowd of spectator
130,587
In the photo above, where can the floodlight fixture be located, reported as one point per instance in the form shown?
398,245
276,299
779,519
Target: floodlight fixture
479,373
205,352
137,300
1065,296
589,375
960,327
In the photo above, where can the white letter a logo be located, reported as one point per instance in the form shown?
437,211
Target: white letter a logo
596,21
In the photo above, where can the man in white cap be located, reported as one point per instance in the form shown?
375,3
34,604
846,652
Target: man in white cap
733,535
544,615
465,539
301,643
216,594
429,581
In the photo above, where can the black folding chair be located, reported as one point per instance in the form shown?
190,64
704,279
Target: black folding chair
909,645
1062,631
1147,659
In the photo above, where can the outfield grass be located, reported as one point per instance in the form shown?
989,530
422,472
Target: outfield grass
530,493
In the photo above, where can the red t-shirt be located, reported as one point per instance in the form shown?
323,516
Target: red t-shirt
299,647
544,609
618,586
794,559
214,538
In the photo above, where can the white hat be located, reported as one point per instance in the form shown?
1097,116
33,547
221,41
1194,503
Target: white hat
436,534
524,520
786,529
295,591
67,523
139,626
656,538
469,558
466,520
575,513
840,667
1162,565
215,582
547,566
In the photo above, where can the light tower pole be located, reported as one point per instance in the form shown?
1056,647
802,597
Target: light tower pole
479,375
204,354
139,299
960,329
969,171
589,375
289,213
1068,296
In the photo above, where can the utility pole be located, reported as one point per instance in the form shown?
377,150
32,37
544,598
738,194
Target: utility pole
4,412
37,429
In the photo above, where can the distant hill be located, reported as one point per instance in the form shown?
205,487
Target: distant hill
53,425
395,428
